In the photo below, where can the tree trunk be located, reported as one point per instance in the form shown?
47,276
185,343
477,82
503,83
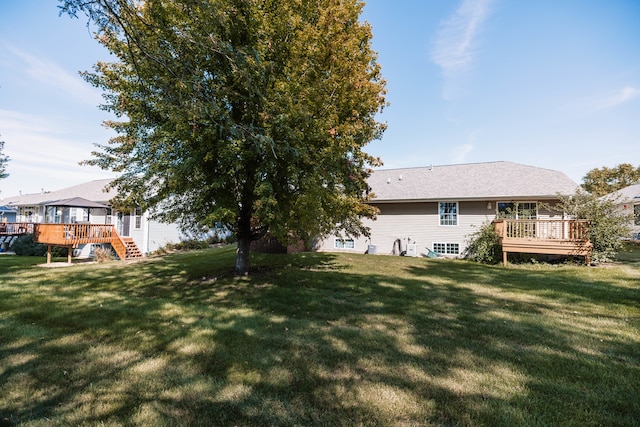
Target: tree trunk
242,255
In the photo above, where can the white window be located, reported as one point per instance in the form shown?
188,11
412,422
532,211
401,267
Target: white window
138,218
28,214
446,248
344,244
448,212
73,215
518,210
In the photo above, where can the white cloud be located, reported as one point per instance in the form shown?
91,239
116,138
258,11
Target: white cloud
453,49
44,152
626,94
50,74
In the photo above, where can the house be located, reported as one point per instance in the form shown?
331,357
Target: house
434,209
7,214
89,203
629,199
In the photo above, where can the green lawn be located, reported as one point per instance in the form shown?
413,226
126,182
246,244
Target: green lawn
319,339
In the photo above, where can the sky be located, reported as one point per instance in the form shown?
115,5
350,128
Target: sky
547,83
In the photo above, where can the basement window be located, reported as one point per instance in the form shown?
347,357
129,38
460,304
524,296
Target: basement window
344,244
446,248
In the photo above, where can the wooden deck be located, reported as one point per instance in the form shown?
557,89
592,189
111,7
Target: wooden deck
16,228
72,235
557,237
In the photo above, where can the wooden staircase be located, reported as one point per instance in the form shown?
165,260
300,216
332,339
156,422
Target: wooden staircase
132,250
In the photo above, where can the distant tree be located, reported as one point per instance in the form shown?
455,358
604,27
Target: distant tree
607,223
249,113
3,162
607,180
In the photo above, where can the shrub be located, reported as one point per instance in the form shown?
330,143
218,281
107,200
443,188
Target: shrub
484,245
192,244
102,254
25,246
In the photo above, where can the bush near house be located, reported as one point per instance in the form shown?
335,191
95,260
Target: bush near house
26,246
483,245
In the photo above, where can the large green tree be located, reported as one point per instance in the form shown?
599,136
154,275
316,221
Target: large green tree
253,113
606,180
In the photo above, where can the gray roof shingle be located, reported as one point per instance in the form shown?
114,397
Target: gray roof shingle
92,190
627,194
480,181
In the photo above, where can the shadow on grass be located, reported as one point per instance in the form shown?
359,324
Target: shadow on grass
313,339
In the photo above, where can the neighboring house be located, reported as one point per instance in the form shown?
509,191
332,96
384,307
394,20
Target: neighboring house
7,214
629,199
90,203
436,208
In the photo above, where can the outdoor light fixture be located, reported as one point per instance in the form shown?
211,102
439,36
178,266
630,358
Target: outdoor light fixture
489,205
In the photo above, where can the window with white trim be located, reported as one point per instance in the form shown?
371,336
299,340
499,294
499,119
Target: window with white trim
344,244
138,218
448,213
446,248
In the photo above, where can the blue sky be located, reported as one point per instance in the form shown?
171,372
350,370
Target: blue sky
549,83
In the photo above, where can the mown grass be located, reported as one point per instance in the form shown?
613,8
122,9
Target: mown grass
318,339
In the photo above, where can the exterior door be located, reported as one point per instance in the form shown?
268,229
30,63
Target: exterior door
126,225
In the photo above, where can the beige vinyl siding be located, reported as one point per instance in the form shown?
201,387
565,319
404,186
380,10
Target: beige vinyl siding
395,221
417,223
409,222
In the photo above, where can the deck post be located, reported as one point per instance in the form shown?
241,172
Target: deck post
69,253
48,254
504,258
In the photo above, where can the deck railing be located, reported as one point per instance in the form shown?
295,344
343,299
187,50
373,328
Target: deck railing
16,228
544,236
545,229
74,234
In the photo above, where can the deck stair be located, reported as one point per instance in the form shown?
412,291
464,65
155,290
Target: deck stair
7,241
132,248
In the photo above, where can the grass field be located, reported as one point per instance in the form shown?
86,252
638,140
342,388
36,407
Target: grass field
319,339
